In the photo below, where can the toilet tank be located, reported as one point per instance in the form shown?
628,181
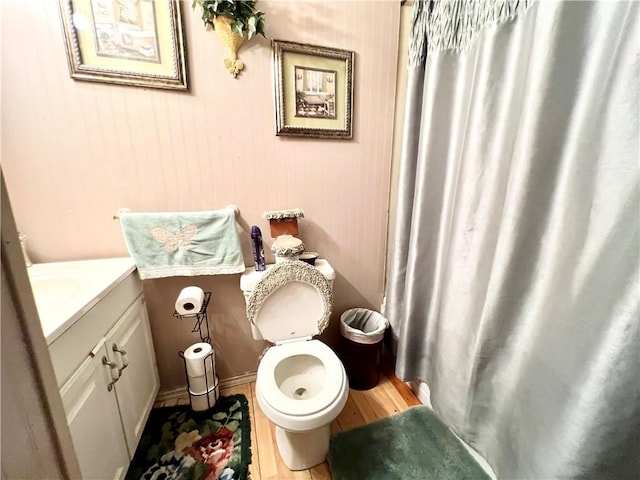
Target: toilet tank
250,278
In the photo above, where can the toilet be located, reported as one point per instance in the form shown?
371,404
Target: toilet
301,385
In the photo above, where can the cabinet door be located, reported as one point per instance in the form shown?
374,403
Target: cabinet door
138,385
92,414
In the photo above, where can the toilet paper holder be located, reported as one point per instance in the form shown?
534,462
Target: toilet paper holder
209,365
201,326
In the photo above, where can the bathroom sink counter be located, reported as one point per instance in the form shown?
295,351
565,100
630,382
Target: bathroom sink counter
94,317
65,291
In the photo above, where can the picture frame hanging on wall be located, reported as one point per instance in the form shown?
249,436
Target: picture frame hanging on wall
313,90
127,42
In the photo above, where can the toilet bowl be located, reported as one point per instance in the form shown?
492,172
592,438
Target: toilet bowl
301,384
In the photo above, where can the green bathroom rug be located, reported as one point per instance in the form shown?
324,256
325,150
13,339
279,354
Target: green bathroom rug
412,445
178,443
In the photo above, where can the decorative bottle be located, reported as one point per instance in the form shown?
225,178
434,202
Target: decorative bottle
258,250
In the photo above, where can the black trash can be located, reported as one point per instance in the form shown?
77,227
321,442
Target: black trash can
361,334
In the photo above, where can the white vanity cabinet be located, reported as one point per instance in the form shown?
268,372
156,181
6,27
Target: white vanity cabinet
108,399
106,369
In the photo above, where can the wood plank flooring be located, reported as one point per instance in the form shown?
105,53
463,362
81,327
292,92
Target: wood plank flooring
388,397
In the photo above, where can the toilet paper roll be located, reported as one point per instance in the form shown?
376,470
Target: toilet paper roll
196,359
189,301
201,383
199,403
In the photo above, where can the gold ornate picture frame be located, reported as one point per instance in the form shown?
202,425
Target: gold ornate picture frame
127,42
313,89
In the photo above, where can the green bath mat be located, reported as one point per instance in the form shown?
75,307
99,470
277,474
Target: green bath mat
178,443
412,445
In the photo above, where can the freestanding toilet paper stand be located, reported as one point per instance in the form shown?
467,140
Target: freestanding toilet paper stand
201,327
202,320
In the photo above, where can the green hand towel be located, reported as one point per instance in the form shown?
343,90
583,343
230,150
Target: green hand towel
183,244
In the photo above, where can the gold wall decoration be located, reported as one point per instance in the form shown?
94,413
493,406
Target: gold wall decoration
234,21
232,41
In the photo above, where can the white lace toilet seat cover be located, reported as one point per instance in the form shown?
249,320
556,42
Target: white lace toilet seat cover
292,300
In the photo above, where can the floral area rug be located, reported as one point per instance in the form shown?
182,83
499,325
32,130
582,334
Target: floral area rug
178,443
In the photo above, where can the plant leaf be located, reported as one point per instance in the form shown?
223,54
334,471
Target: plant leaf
187,426
237,416
233,425
251,27
237,26
210,426
260,26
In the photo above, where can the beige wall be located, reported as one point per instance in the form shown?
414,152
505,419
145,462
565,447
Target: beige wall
73,153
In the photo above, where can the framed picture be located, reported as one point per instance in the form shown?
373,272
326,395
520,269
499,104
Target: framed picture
129,42
313,90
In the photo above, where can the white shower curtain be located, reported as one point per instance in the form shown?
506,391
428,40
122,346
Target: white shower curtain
514,282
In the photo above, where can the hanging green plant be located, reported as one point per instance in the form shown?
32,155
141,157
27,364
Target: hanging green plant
245,17
234,21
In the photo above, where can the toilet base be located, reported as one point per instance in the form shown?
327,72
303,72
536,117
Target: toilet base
303,450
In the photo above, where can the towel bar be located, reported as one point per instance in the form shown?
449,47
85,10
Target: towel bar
125,210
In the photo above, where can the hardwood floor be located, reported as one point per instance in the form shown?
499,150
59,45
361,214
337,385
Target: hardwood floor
388,397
